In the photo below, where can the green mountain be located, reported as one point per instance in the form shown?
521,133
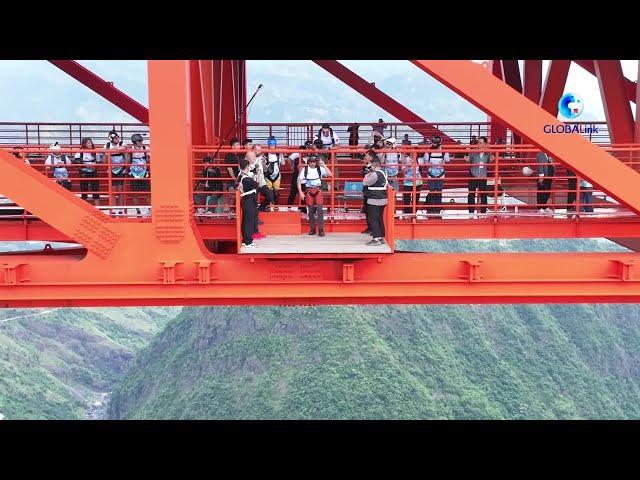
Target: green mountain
54,363
466,362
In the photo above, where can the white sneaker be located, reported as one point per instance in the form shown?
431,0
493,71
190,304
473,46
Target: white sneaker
251,245
549,211
541,211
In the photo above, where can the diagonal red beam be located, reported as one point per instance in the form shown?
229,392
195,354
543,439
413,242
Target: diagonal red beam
554,85
629,85
617,108
478,86
377,96
103,88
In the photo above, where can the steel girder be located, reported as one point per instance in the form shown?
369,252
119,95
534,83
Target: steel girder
104,89
377,96
615,101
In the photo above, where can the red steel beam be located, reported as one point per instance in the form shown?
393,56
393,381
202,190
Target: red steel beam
103,88
614,99
554,85
377,96
391,279
629,85
496,129
533,80
486,92
511,74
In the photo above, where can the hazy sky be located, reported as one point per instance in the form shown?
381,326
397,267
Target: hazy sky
294,91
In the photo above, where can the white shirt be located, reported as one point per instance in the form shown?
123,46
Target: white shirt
277,160
311,178
58,171
326,140
258,173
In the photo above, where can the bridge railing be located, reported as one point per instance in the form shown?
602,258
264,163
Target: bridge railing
31,133
508,186
111,185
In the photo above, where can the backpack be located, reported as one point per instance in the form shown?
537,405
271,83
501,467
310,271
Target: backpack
333,140
271,167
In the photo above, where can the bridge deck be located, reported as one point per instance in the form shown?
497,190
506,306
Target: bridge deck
331,243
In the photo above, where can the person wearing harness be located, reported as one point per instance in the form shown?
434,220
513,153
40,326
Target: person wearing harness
435,161
138,171
258,170
312,174
412,174
296,165
391,162
376,183
328,137
273,161
88,170
57,161
366,169
118,169
256,173
248,188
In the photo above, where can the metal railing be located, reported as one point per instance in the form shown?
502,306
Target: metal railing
509,186
110,186
31,133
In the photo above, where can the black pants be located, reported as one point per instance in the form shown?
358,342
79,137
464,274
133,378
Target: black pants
481,185
407,198
85,185
572,185
249,206
65,184
365,210
293,193
376,218
544,192
267,197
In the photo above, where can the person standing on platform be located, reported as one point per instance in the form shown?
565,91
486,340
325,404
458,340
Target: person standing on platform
436,161
248,188
297,162
312,174
88,170
57,161
478,161
272,164
392,163
366,169
546,172
376,183
255,170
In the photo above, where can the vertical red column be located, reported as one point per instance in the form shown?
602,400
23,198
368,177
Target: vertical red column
615,101
206,86
554,85
170,126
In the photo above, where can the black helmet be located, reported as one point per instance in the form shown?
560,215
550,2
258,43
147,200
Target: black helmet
318,143
136,137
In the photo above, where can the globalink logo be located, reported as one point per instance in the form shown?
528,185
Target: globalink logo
570,105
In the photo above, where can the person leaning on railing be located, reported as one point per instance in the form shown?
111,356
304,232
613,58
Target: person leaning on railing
57,161
546,172
478,162
411,175
88,171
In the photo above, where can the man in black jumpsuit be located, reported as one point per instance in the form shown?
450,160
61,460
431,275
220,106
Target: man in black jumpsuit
248,191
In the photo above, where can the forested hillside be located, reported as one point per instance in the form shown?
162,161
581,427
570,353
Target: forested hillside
502,361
